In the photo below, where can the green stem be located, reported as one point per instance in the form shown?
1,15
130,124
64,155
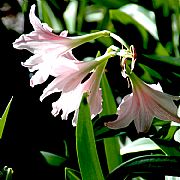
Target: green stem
119,39
78,40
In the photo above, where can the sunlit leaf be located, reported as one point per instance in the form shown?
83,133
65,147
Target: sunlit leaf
170,134
70,16
143,16
158,122
85,144
124,18
47,16
161,50
141,144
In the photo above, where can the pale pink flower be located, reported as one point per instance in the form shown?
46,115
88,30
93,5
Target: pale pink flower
143,104
45,68
69,76
48,47
43,40
70,101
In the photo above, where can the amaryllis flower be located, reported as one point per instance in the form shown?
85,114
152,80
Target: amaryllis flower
72,81
143,104
70,101
48,47
43,40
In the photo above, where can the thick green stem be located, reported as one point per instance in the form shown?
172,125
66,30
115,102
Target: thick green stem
78,40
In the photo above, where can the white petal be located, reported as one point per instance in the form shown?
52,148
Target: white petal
68,102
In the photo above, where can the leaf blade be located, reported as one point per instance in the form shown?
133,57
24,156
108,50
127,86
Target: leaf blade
4,117
88,160
148,163
53,159
111,144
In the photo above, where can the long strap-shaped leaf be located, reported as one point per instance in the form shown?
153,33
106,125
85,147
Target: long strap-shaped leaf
156,164
112,146
3,118
85,145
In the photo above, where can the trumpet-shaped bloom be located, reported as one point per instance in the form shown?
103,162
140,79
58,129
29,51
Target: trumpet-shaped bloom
43,40
70,80
48,47
69,74
70,101
143,104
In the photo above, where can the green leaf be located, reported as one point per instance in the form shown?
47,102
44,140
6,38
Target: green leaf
149,74
141,144
9,174
171,133
111,3
124,18
154,164
112,145
70,16
85,145
161,50
109,104
24,6
47,16
142,16
112,149
158,122
164,59
102,131
4,117
53,159
169,148
71,174
167,6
